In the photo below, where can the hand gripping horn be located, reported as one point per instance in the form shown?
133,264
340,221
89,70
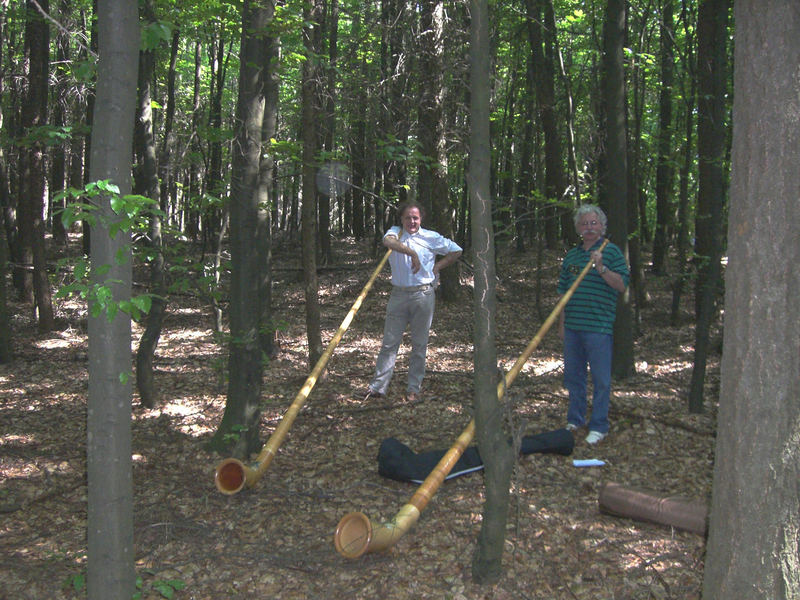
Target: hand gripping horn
232,474
356,535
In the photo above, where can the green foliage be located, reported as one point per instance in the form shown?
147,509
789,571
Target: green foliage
45,135
165,587
127,213
234,435
76,582
154,33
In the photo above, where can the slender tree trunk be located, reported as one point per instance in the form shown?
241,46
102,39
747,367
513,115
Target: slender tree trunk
6,336
613,182
754,532
267,197
664,170
327,131
567,230
679,282
496,452
110,488
58,166
147,184
6,350
311,39
86,230
524,201
712,27
166,174
32,197
545,100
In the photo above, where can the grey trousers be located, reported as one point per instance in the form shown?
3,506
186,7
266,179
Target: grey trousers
413,309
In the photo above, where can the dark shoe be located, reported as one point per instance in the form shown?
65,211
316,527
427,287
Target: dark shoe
412,396
370,393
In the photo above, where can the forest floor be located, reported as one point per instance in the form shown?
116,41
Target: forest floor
275,540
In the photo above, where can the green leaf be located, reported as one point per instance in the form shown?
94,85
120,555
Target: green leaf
143,302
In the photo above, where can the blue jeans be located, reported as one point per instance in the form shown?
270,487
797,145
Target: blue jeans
582,348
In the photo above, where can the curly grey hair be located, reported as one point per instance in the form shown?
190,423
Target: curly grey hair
585,209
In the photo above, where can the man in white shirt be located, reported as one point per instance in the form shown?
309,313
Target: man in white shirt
415,275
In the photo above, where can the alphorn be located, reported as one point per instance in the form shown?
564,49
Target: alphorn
356,534
232,475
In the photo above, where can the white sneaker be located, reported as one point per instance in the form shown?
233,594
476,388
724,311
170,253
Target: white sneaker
571,427
594,437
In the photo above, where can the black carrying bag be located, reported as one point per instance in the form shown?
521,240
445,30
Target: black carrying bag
399,462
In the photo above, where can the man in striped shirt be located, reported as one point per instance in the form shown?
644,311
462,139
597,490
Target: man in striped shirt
587,323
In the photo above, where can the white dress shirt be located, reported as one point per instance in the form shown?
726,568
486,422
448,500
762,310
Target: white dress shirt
427,244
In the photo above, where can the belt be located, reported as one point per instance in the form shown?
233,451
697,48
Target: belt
414,288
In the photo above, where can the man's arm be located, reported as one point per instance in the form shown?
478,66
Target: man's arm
447,260
391,241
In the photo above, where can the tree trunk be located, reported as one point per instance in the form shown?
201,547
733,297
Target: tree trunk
496,452
327,105
525,200
110,488
567,229
147,184
32,196
59,153
432,188
614,179
555,178
679,282
242,408
166,174
664,170
711,143
752,549
266,197
6,351
311,115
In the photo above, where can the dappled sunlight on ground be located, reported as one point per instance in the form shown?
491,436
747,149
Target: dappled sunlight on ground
558,545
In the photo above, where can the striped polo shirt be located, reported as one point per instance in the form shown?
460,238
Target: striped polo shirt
593,306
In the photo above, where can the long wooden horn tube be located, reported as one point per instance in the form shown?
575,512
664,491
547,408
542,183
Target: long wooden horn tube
356,534
232,475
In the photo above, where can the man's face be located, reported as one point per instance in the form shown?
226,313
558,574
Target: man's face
411,220
589,227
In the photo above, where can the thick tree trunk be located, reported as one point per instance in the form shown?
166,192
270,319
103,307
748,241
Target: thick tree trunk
242,408
110,488
432,188
753,545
